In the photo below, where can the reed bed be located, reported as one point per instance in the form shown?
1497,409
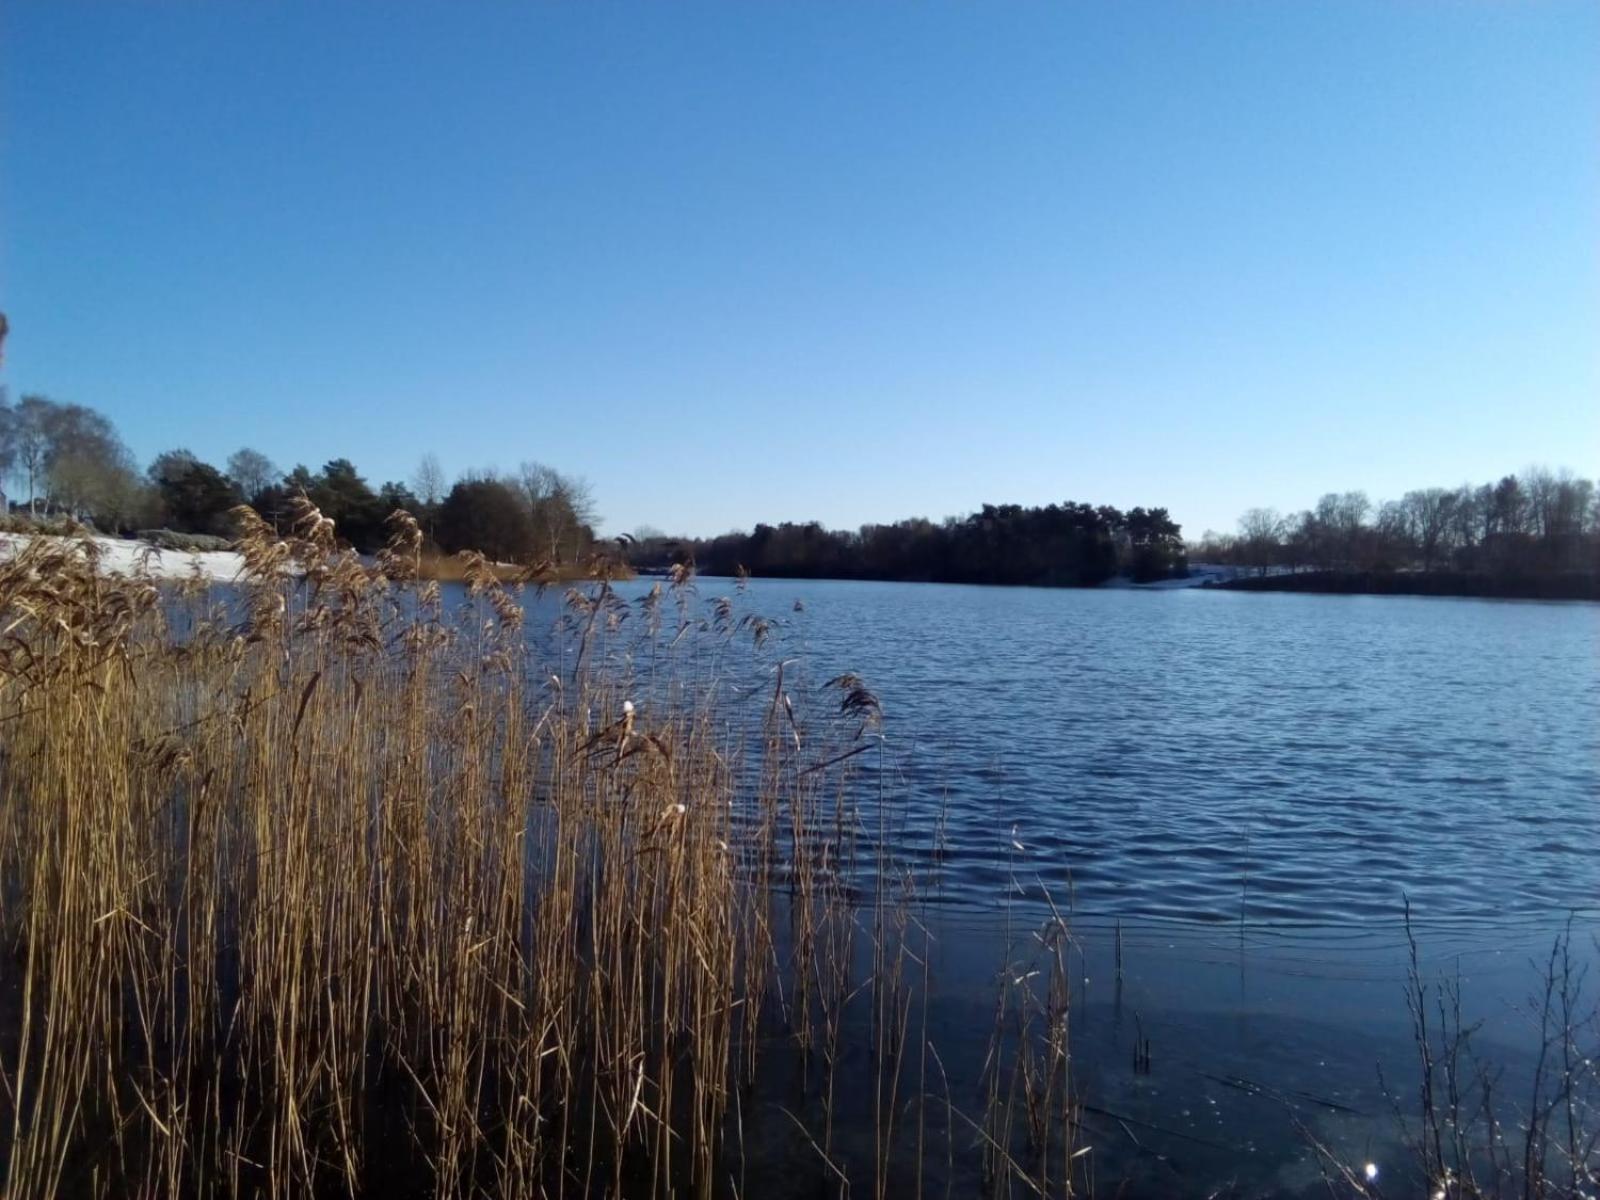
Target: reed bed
313,887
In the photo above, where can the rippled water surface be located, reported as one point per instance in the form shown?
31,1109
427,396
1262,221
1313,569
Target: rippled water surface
1232,795
1201,754
1241,790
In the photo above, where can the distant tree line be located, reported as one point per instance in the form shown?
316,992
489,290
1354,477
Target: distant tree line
1058,545
68,460
1540,524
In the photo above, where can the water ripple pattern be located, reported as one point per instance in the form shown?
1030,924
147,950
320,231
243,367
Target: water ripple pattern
1219,757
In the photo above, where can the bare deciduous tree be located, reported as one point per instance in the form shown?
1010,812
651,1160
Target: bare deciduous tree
1428,515
69,455
427,483
8,449
251,471
1260,532
30,442
561,507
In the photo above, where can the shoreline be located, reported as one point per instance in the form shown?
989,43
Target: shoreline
132,556
1574,587
1445,584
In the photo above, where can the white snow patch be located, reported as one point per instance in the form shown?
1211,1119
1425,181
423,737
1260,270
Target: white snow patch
1200,574
120,556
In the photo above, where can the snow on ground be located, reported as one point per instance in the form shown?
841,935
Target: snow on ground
1203,575
1200,574
120,556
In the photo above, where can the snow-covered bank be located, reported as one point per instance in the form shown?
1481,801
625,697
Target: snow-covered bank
1200,575
121,556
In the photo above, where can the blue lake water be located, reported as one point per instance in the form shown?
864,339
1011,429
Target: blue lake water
1249,785
1197,755
1245,789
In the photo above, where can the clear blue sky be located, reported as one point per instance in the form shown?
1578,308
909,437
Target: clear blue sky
834,261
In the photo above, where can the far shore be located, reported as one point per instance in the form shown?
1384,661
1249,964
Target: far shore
1419,583
125,556
1215,577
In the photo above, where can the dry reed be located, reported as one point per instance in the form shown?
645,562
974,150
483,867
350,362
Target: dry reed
319,888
